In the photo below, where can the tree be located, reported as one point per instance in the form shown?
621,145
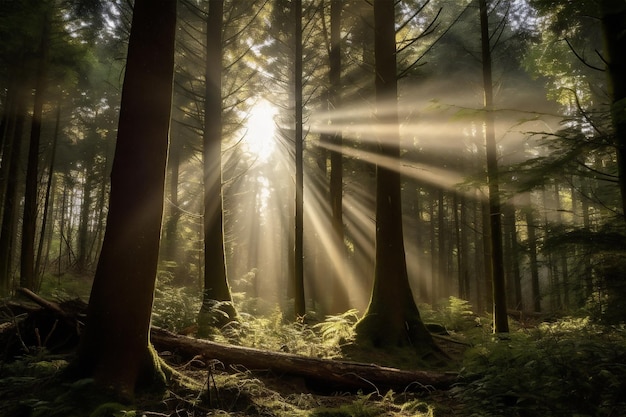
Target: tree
115,347
392,317
217,308
340,296
299,306
614,24
29,222
501,324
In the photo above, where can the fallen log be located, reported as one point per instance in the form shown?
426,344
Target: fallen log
329,375
332,375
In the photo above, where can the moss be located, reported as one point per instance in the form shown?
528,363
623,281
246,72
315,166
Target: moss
112,410
152,378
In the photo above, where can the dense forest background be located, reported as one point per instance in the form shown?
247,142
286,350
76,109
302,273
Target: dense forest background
509,119
558,171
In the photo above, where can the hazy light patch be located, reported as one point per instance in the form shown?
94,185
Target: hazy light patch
318,214
259,138
419,268
260,191
427,173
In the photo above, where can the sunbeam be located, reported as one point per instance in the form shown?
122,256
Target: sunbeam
260,136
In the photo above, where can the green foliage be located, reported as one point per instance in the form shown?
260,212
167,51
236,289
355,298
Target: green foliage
608,303
454,314
65,286
272,332
264,326
418,408
338,329
564,368
112,410
33,386
361,407
174,307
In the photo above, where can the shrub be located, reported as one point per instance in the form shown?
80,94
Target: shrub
565,368
174,308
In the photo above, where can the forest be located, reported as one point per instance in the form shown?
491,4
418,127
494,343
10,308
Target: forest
346,208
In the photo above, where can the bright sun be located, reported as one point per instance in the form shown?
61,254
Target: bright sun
260,130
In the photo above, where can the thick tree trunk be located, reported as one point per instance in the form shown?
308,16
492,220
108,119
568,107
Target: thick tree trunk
614,25
115,347
392,317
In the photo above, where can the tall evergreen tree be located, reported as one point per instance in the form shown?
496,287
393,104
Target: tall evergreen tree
392,317
115,346
217,308
299,299
495,216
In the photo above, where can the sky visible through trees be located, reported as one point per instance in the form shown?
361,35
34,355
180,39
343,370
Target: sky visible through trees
556,117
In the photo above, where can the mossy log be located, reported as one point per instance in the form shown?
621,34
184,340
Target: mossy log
320,374
329,375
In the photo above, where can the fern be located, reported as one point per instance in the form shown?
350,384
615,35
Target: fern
338,329
566,368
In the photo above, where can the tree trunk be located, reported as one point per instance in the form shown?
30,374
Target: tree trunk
341,300
170,235
442,265
217,308
392,317
433,248
330,375
11,160
299,300
86,210
614,25
115,347
29,222
48,201
562,256
495,216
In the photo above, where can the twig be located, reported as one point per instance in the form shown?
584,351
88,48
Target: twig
49,305
54,326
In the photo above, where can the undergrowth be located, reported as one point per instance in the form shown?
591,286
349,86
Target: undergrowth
573,366
570,367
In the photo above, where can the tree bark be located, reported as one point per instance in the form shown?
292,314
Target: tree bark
299,300
329,374
392,317
115,347
29,223
495,216
217,308
341,301
614,25
10,161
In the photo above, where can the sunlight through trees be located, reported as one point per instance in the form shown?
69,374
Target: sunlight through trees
318,157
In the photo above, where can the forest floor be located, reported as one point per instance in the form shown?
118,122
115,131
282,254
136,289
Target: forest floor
32,383
34,386
549,366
